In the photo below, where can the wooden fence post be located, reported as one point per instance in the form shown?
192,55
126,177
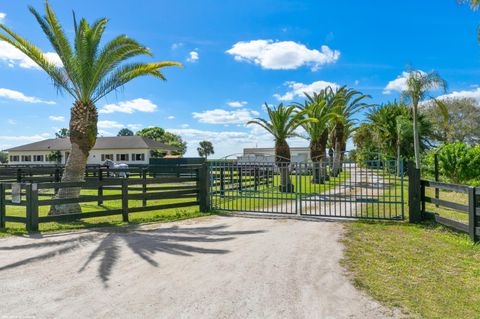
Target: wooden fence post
203,188
32,207
472,213
414,194
19,175
144,187
125,200
436,175
100,187
2,206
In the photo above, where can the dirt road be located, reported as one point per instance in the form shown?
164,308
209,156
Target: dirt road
213,267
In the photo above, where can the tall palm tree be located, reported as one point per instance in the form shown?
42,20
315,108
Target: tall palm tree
418,85
349,103
317,107
89,72
282,123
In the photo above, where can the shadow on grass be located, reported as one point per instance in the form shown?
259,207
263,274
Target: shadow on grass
146,244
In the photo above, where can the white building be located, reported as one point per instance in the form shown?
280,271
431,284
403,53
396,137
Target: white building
267,155
123,149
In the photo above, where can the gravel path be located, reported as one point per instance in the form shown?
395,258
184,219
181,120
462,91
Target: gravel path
212,267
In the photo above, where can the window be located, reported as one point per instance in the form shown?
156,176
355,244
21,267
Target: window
138,157
122,157
14,158
38,158
26,158
107,156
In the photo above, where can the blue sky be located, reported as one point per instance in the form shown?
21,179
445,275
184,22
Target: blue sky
237,56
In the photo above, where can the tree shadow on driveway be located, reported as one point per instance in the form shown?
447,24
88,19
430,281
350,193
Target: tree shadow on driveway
174,240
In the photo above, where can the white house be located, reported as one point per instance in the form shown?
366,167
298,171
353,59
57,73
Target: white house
267,154
123,149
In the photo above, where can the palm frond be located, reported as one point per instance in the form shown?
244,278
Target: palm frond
127,73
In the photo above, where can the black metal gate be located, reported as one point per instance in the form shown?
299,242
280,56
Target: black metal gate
369,189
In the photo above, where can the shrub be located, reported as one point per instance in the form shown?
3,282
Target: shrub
458,162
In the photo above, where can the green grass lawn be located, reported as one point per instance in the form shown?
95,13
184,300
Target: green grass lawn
426,270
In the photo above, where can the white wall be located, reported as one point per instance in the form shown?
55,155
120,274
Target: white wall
95,156
268,155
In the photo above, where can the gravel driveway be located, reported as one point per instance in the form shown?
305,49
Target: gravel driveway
212,267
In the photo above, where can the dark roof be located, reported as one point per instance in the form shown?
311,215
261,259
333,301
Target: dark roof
103,143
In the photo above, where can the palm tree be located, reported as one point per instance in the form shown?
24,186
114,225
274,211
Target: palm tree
282,123
418,85
349,102
474,4
317,107
89,73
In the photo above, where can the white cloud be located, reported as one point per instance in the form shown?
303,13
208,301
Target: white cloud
171,117
12,56
471,94
7,141
2,16
298,89
56,118
105,133
109,124
177,45
184,126
399,84
230,142
11,122
193,57
134,127
220,116
140,105
282,55
19,96
237,103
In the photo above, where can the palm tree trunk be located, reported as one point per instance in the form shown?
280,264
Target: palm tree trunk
416,138
337,148
83,135
318,155
282,159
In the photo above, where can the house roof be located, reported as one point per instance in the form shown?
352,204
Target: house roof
103,143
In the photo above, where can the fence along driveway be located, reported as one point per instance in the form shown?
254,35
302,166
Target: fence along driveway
371,190
147,189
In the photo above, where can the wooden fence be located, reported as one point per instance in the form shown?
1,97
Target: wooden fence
183,186
418,201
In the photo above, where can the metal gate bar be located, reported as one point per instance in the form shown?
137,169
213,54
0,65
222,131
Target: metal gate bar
369,189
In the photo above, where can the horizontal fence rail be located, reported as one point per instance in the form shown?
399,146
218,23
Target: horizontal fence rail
105,194
471,208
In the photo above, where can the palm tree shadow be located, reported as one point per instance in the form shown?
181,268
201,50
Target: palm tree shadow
146,244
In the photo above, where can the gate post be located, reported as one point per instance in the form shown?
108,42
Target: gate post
414,194
473,219
203,188
124,186
32,207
